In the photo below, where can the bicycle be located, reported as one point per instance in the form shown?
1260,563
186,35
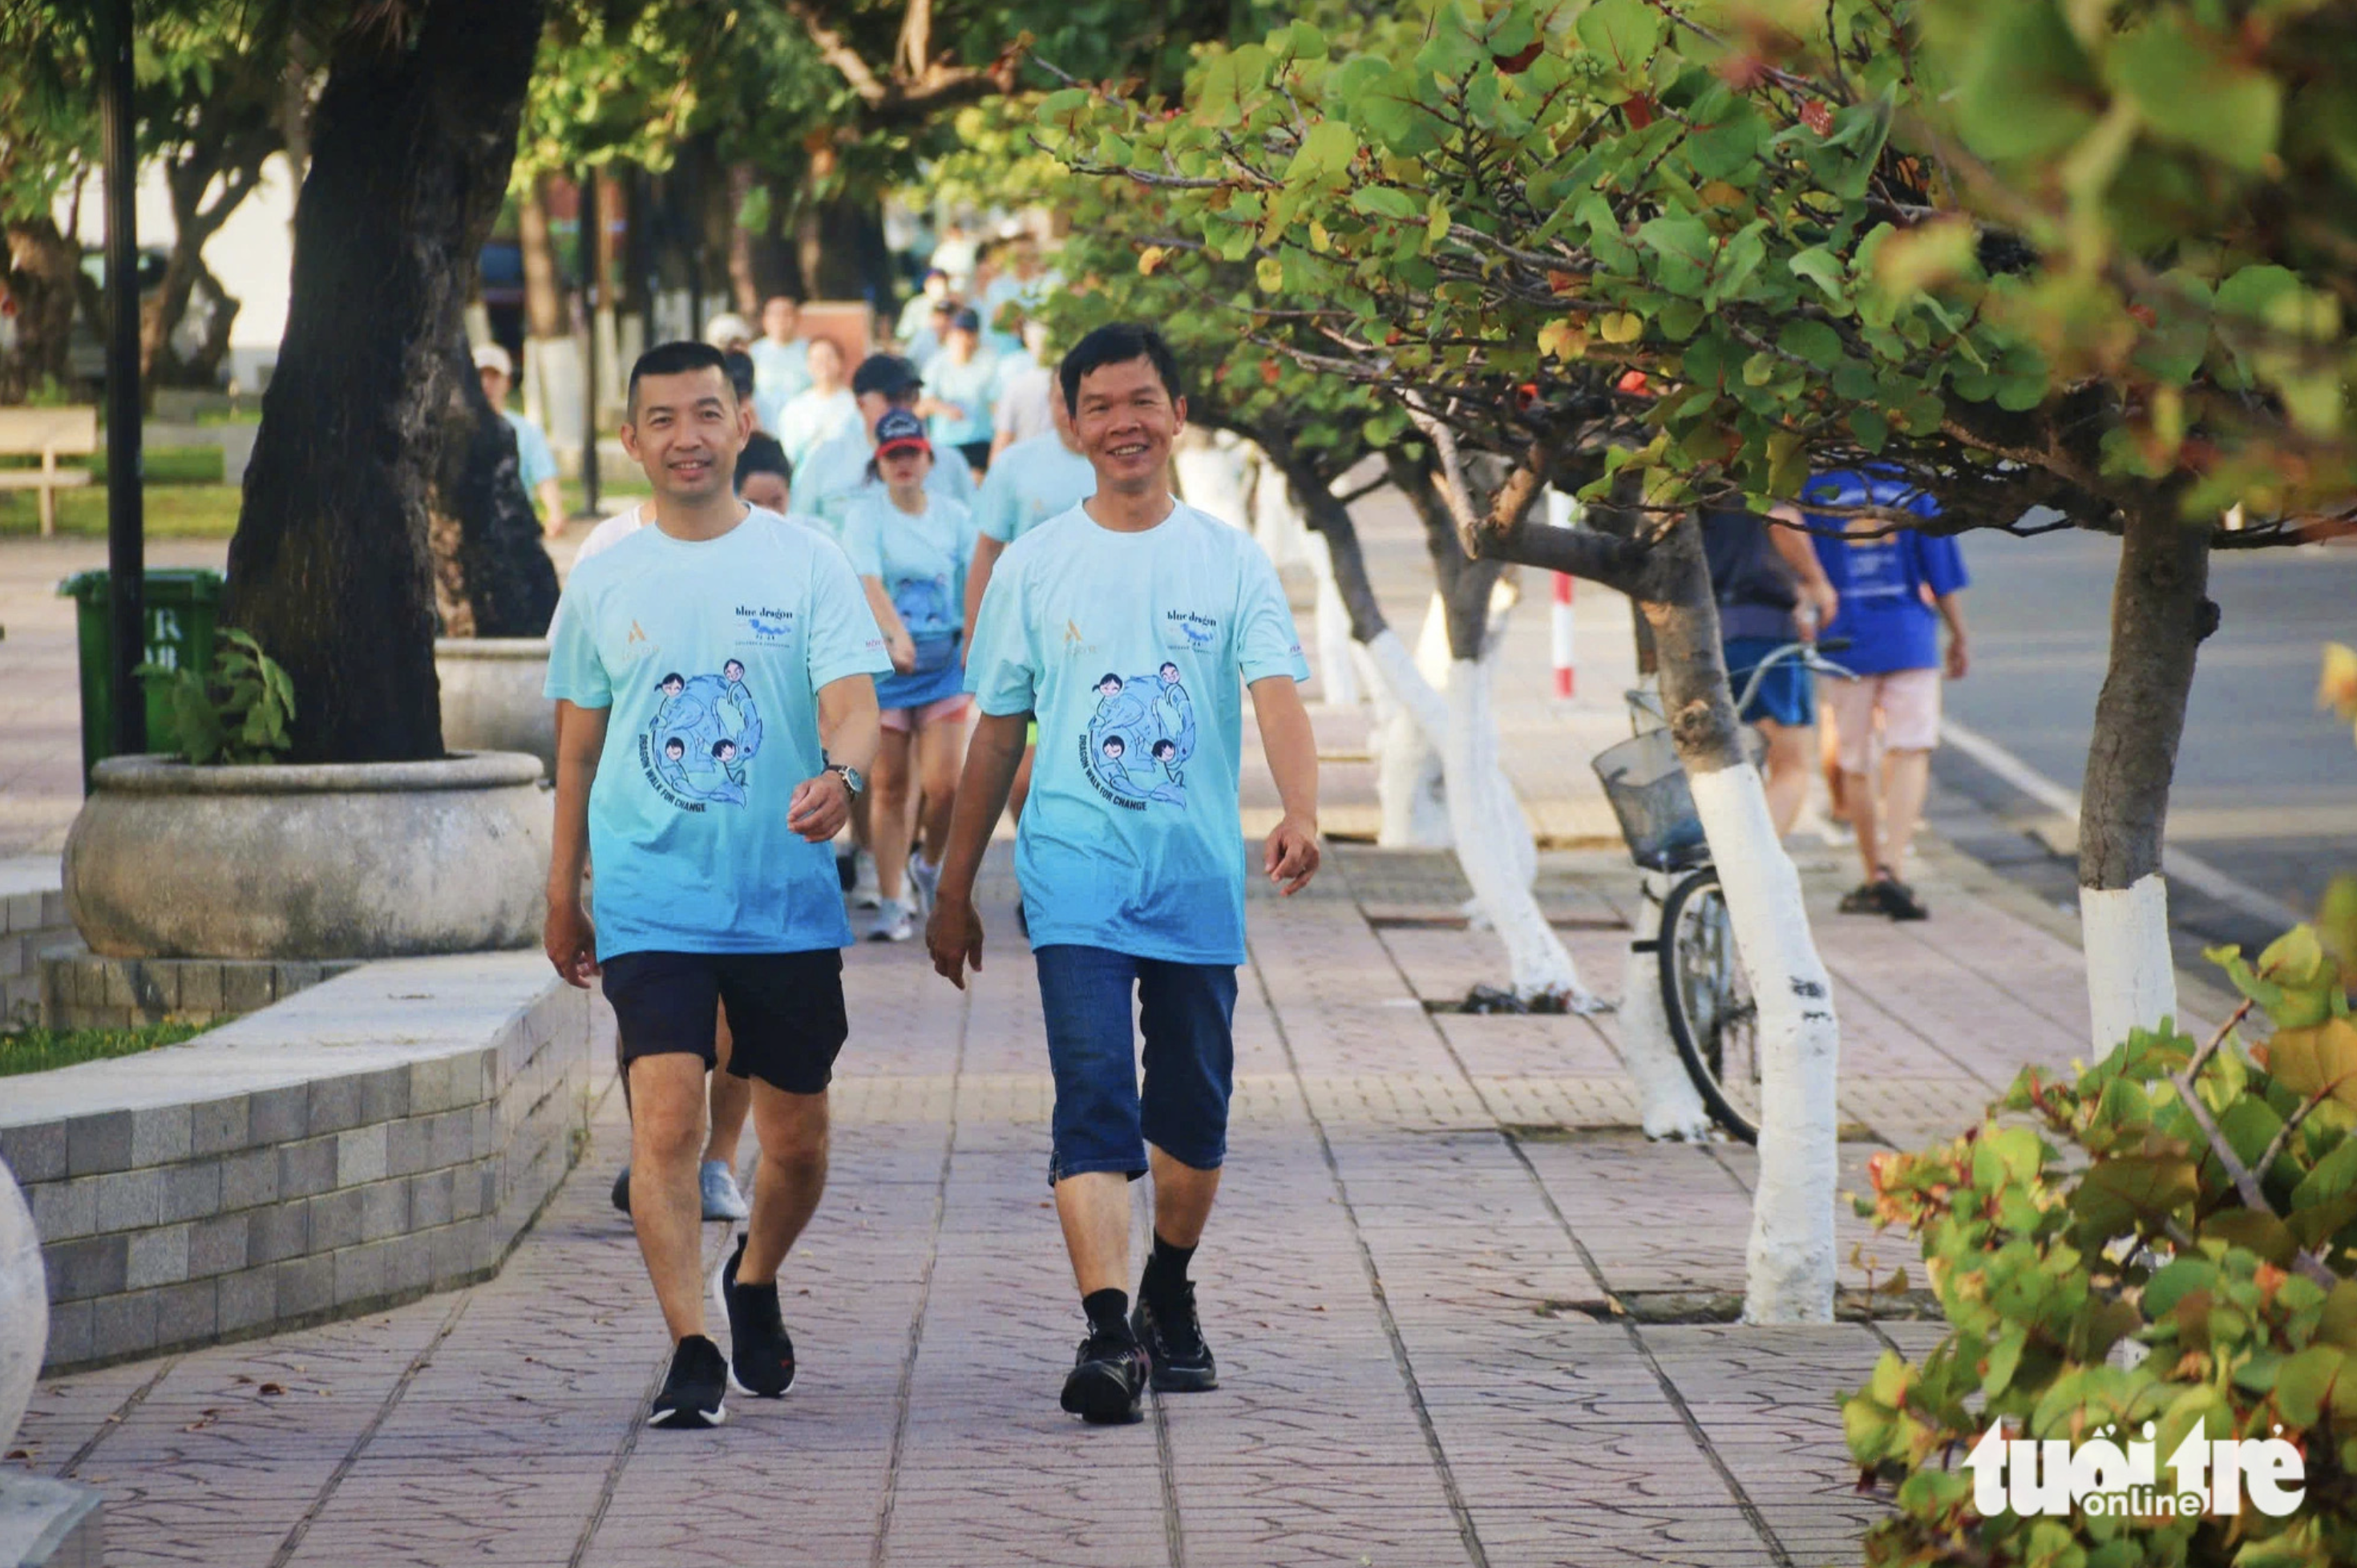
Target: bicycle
1706,996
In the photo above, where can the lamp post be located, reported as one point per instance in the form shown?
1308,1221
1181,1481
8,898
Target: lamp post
125,544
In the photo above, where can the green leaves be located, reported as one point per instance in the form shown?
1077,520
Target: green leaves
239,713
2190,88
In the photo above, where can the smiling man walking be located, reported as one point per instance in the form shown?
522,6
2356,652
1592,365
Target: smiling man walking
1128,624
715,710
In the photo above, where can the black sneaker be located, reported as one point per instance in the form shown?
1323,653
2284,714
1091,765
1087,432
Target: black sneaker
1866,898
761,1360
1174,1345
622,1190
692,1393
1107,1384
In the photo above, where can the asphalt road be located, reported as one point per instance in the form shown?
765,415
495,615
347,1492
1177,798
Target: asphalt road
2267,784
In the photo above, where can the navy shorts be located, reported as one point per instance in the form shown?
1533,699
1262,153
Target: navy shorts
1103,1120
785,1010
1788,694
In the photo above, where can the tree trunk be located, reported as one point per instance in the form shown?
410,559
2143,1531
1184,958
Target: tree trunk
1790,1278
328,569
543,296
42,266
840,246
2160,613
743,286
1410,786
491,576
1486,824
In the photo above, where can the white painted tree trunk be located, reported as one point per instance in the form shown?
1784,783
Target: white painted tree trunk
1668,1104
2131,973
1522,843
1211,476
1485,820
1790,1264
1337,673
1408,779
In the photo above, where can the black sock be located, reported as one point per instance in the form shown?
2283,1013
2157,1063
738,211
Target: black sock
1166,1272
1108,1312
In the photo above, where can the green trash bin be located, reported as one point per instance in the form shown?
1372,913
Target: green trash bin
183,603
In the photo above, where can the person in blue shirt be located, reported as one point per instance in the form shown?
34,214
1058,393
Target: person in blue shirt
781,361
535,463
1895,586
918,544
715,708
1132,883
1772,592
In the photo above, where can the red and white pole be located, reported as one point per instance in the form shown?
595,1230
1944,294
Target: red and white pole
1560,515
1565,671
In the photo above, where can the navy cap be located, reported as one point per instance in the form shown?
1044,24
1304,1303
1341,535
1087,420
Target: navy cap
901,430
885,373
967,320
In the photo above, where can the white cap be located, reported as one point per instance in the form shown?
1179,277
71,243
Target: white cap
726,326
492,357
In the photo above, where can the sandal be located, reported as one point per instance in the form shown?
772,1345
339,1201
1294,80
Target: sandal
1866,898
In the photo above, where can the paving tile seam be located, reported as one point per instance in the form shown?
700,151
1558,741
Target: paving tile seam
111,1425
880,1546
616,1466
294,1542
1475,1552
1669,1389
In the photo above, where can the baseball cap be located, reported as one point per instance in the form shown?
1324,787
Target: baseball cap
900,431
492,357
885,373
967,320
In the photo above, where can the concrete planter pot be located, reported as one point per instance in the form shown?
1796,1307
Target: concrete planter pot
306,862
24,1307
491,695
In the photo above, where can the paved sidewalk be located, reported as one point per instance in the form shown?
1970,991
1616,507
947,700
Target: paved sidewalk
1436,1281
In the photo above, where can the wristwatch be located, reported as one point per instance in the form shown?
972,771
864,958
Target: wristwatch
853,779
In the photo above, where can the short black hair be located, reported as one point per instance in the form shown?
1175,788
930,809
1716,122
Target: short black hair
1164,744
672,360
763,453
1118,344
738,365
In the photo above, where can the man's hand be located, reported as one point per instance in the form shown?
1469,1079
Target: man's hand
1960,659
570,941
1291,856
953,936
1819,595
819,807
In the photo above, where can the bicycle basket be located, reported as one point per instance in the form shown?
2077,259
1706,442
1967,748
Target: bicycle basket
1647,787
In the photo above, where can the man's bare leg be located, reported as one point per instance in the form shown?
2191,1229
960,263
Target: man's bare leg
730,1098
1906,776
1792,757
1864,820
1182,1198
666,1133
1093,1208
789,1177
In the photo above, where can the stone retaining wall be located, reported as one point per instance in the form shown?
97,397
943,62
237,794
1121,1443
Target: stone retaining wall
79,989
381,1136
32,921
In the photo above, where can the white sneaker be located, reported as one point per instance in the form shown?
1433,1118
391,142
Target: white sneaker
925,881
893,923
864,893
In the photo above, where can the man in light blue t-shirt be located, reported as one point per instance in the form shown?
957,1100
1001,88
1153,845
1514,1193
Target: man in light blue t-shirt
1130,625
835,473
961,385
716,709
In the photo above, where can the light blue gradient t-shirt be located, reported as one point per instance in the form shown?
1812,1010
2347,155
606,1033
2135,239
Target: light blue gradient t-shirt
710,655
921,560
1031,482
1133,650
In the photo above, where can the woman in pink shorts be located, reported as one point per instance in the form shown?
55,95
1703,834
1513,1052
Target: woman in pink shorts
920,544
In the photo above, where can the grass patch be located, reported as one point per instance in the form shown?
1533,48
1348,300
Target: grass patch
38,1050
171,511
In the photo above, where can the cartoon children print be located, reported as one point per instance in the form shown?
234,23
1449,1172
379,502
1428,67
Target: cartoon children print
1141,738
704,734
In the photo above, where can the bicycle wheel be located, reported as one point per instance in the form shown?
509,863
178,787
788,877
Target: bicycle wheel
1708,1002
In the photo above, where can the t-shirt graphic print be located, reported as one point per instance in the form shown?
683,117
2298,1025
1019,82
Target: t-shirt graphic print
1140,739
699,747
